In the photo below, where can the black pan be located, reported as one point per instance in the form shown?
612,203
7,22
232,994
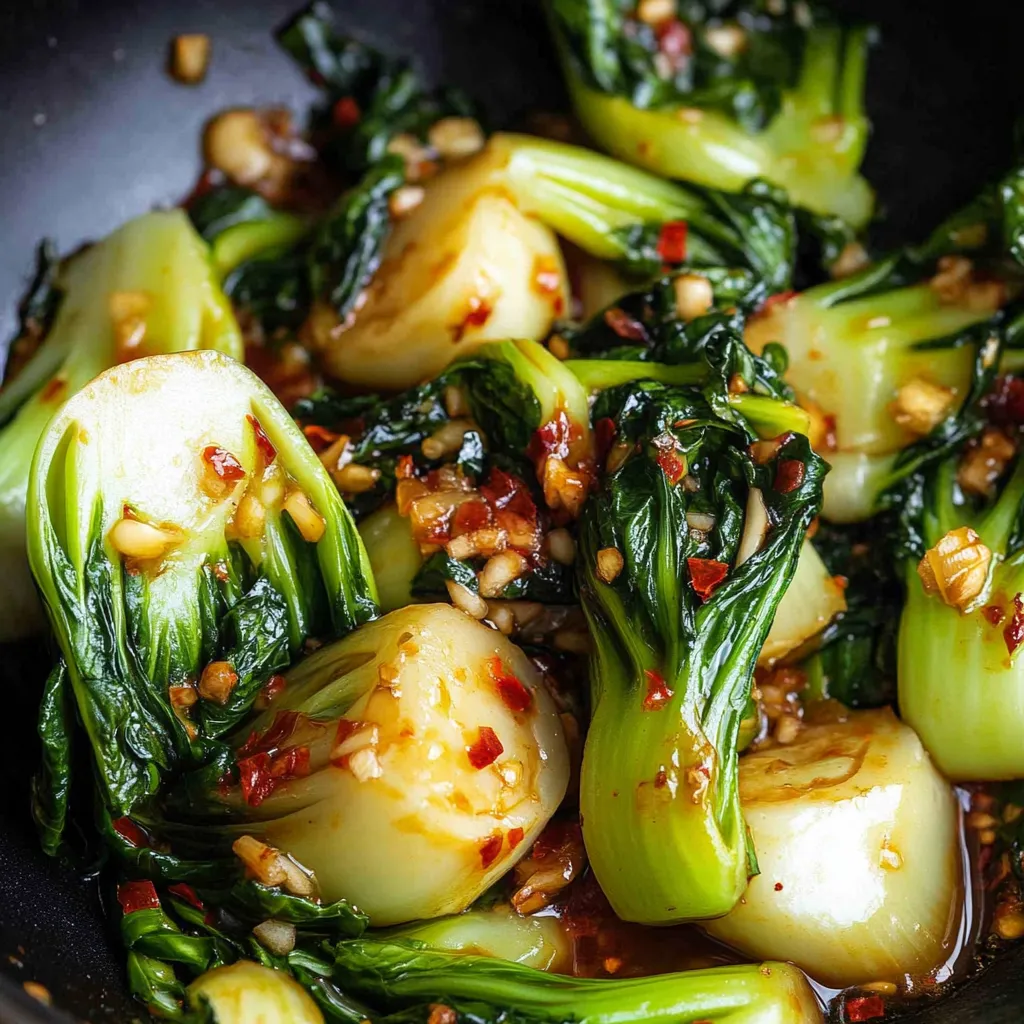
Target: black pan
94,132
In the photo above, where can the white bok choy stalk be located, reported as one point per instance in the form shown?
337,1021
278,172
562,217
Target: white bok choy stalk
148,288
858,845
433,756
248,993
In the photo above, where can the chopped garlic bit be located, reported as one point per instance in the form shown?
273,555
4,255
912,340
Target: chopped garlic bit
456,137
920,406
464,599
272,867
694,295
984,462
142,541
499,571
309,522
276,936
609,564
956,568
190,57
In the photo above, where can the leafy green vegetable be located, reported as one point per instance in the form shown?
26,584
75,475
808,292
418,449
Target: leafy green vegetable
725,94
150,577
382,96
147,288
402,974
51,788
705,540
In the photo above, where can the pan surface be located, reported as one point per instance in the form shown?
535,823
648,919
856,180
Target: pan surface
95,132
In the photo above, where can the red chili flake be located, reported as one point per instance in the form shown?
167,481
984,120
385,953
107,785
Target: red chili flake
263,443
675,40
272,689
778,887
137,896
515,837
479,312
706,575
255,779
546,277
661,779
864,1008
223,463
672,466
292,763
830,442
1005,404
658,693
604,436
188,894
504,491
471,516
130,832
490,848
515,695
280,729
789,475
553,438
775,300
55,388
346,113
405,468
672,241
993,613
319,437
1014,632
624,325
486,749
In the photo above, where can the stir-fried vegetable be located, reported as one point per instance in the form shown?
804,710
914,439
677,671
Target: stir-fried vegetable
401,974
476,258
147,288
685,554
857,840
186,542
722,94
423,738
888,354
960,679
248,993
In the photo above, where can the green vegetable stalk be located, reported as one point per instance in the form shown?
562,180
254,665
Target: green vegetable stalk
686,551
186,542
407,974
147,288
960,677
723,95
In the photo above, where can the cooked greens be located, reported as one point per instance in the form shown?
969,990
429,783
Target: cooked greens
724,93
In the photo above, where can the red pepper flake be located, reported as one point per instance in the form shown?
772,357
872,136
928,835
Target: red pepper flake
55,388
1014,632
624,325
486,749
263,443
405,468
604,436
292,763
661,779
188,894
778,887
130,832
223,463
672,466
993,613
515,695
346,113
255,779
1005,404
672,241
546,276
272,689
658,693
775,300
280,729
319,437
675,40
471,516
830,441
789,475
515,837
706,575
553,438
504,491
137,896
490,848
864,1008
